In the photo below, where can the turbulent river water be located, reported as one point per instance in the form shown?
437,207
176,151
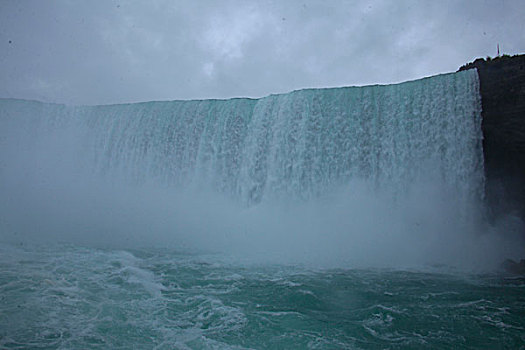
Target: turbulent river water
75,297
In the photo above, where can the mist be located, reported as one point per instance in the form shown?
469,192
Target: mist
137,176
356,226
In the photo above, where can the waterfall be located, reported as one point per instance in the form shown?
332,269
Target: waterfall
357,155
298,144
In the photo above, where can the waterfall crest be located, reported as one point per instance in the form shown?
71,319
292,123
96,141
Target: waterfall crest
350,175
295,145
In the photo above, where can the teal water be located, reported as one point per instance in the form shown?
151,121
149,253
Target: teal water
74,297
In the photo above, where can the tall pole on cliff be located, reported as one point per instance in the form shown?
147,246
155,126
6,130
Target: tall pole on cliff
498,49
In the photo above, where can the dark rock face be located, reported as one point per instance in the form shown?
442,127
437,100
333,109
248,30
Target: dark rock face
513,267
502,86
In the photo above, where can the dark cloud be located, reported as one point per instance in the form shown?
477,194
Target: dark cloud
91,52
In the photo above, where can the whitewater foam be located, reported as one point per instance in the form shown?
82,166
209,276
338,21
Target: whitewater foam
371,176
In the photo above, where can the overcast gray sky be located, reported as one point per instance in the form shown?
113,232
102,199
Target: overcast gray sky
99,52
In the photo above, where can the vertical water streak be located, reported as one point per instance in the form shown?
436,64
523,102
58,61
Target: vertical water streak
291,146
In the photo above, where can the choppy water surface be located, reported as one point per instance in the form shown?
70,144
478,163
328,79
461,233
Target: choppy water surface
67,296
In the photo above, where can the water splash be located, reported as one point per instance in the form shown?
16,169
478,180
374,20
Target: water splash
393,172
296,145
